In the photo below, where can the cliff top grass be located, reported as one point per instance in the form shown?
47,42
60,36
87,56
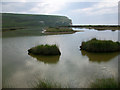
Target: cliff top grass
95,45
45,50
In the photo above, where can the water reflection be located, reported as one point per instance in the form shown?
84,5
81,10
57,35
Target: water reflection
79,29
99,57
20,69
46,60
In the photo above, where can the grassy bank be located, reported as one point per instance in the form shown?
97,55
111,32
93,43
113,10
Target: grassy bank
23,32
97,27
59,30
45,50
95,45
12,29
98,83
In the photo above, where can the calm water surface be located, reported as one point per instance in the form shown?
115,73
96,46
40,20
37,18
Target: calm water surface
73,67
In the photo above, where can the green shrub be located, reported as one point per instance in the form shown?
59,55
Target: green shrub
95,45
45,50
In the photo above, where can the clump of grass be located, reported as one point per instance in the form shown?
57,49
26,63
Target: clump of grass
95,45
45,50
46,84
49,84
104,83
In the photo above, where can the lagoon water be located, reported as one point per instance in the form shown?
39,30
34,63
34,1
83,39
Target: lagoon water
73,68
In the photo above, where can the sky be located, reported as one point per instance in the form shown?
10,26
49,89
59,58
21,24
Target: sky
80,11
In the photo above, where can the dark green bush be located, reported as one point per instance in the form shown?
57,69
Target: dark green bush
95,45
45,50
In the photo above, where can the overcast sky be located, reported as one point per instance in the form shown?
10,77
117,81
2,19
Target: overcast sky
80,11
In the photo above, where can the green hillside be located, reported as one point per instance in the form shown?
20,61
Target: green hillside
10,20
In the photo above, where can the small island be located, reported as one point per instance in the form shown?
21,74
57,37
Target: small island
95,45
59,30
45,50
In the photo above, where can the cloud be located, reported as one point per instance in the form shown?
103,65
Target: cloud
43,7
16,7
48,7
100,8
53,6
106,8
61,0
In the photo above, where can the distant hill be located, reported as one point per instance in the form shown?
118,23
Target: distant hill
10,20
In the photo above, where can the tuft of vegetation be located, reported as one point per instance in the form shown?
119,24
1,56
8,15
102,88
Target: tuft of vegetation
104,83
95,45
45,50
98,83
47,84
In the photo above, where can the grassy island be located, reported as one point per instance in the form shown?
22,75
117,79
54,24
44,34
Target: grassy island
95,45
59,31
45,50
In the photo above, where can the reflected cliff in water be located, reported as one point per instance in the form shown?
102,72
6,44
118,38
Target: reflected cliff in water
99,57
46,59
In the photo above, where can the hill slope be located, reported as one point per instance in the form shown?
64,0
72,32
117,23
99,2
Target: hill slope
10,20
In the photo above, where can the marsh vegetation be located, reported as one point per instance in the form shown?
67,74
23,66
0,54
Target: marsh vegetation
45,50
97,83
47,84
95,45
104,83
97,27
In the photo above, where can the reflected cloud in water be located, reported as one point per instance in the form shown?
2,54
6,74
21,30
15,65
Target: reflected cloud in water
99,57
46,59
20,69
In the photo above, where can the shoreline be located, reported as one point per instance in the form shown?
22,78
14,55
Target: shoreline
97,27
44,31
58,31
